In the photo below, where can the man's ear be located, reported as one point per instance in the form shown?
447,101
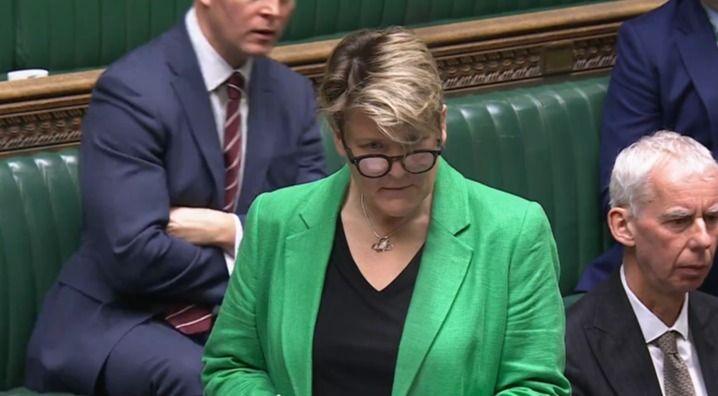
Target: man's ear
338,145
443,126
620,223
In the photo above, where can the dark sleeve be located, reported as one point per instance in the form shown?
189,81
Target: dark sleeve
311,152
126,203
632,105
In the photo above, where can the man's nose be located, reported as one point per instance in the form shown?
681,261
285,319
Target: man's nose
270,7
702,238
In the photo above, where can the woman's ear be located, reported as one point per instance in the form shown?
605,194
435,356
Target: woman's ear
620,223
443,126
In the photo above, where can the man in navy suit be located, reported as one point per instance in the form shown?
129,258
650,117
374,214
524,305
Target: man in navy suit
664,78
181,135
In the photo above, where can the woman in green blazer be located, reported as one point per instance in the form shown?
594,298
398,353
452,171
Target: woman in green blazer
395,275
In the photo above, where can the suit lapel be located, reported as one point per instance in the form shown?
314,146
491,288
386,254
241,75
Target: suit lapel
698,49
306,257
618,344
703,323
192,94
258,120
444,264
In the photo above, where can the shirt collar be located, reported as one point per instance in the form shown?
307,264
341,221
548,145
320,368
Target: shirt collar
713,18
215,70
651,326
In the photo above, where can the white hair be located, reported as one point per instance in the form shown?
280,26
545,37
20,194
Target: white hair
630,179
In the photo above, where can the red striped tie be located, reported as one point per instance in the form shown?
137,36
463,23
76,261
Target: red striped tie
194,319
232,142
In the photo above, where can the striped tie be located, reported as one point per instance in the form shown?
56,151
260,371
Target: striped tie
194,319
232,142
189,319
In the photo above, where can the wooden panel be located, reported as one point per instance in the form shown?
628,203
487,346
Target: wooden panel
473,55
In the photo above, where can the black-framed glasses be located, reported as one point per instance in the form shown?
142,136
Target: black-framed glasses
377,165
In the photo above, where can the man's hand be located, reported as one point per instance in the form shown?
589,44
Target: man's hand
202,226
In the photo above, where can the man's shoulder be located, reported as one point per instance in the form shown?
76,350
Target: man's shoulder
145,67
286,200
604,297
288,79
706,302
656,23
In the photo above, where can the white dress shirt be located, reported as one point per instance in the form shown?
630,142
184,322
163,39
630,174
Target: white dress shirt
713,18
215,71
652,328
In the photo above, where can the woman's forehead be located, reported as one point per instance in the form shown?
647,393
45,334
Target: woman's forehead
359,126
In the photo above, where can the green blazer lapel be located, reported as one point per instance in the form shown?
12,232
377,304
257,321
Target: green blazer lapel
306,255
444,264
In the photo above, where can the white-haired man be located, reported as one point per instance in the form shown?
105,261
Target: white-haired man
645,330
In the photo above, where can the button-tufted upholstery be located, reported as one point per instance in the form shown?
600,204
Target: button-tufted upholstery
39,229
539,142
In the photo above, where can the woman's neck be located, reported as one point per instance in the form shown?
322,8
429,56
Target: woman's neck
383,223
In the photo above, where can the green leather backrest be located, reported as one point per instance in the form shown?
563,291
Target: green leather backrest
62,35
39,230
540,143
72,34
317,18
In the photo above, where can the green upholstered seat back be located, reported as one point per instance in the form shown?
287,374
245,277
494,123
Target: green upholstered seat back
39,230
540,143
69,35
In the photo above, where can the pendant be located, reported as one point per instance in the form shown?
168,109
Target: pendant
383,245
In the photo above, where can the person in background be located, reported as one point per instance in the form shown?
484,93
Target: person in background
180,136
664,78
645,330
395,275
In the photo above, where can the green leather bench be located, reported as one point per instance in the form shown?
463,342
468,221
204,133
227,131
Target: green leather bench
539,142
73,35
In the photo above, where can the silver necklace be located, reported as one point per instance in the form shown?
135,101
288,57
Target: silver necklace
383,243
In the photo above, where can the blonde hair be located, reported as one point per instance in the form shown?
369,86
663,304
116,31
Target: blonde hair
391,77
630,179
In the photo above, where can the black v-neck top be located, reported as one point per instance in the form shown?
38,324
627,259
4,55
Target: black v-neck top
358,328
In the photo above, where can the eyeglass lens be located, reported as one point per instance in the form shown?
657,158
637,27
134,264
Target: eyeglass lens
414,163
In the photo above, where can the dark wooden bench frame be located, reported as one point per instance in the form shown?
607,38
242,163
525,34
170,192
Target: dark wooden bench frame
472,56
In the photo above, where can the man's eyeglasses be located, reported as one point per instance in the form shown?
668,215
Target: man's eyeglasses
377,165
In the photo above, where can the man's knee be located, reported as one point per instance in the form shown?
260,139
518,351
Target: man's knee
151,362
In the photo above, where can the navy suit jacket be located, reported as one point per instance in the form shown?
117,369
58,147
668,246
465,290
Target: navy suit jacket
665,77
150,143
606,353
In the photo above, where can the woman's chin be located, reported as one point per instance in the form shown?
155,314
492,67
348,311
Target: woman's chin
397,208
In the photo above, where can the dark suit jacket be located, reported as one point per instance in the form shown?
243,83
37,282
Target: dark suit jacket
605,350
149,143
664,78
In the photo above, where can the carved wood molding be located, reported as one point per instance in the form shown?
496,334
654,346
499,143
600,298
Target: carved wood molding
473,55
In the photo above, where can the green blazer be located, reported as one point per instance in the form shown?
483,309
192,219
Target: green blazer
486,315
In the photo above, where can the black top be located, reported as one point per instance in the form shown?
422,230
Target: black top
358,329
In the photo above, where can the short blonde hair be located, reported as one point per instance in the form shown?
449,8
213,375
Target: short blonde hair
391,77
630,179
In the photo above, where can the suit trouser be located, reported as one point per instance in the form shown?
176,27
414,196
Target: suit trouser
153,359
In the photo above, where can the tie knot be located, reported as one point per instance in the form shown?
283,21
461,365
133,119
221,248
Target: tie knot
235,85
667,342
